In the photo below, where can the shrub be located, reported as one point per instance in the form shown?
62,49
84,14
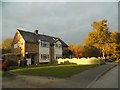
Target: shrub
12,63
66,62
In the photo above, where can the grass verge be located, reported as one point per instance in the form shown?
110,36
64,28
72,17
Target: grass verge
60,71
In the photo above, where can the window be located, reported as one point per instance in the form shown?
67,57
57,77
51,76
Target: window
28,55
58,45
44,44
44,56
21,43
15,45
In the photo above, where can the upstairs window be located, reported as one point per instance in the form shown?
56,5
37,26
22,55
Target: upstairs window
21,43
44,44
15,46
58,45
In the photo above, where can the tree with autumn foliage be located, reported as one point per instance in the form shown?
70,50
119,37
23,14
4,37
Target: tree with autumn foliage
78,50
108,42
114,46
84,51
91,51
6,45
99,42
99,36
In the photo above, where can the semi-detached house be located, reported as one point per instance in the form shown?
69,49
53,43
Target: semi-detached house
36,48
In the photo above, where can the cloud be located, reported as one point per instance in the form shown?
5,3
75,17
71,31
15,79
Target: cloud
70,21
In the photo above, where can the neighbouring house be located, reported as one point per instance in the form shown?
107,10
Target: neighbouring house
36,48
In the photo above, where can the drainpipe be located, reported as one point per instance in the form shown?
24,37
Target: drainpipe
39,49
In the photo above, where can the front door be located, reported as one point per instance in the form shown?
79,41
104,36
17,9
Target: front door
32,59
28,58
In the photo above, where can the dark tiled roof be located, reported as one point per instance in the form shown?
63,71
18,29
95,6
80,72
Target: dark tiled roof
31,37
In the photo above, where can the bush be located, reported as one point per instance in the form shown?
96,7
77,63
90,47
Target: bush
12,63
113,58
66,62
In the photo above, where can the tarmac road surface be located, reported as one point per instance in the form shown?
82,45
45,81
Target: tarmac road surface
108,80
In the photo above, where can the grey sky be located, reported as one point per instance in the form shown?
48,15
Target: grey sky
71,21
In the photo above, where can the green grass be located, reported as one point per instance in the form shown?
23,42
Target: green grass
24,67
60,71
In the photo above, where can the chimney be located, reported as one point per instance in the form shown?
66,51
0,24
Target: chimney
36,32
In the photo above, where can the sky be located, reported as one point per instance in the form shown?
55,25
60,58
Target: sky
70,21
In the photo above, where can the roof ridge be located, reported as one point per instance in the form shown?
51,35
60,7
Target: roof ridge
38,34
24,30
48,35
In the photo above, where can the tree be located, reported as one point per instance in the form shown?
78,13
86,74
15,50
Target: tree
115,44
100,26
78,50
91,51
6,45
67,53
99,36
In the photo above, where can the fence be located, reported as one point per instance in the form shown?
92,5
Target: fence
81,61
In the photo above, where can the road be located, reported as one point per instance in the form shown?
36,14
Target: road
108,80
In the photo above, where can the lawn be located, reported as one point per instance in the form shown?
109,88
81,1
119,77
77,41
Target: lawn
60,71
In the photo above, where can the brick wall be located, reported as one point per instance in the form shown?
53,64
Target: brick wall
31,47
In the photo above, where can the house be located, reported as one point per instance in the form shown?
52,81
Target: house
36,48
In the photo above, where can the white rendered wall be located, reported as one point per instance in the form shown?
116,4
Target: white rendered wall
57,50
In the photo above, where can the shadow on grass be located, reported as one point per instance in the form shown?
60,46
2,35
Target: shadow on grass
8,74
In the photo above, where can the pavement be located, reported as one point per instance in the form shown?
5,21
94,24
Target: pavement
81,80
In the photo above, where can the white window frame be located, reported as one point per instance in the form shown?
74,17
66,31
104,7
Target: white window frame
58,45
46,55
45,44
15,45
